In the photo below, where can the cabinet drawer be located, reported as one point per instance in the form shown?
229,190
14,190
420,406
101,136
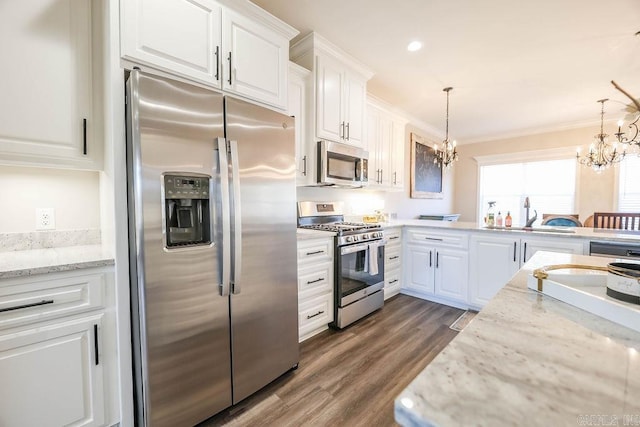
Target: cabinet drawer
393,236
26,301
426,236
314,280
391,257
315,313
392,283
310,251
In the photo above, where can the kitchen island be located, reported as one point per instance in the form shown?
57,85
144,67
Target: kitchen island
529,359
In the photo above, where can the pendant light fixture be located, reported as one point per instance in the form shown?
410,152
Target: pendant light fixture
448,154
601,154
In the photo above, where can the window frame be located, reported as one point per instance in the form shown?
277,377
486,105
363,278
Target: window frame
562,153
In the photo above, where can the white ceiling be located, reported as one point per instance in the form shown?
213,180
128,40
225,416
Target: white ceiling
516,67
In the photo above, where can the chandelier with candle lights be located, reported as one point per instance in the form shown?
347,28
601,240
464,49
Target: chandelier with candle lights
447,154
601,154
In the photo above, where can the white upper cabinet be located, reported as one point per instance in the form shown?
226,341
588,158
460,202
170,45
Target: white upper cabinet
340,90
229,45
155,33
46,107
256,59
385,142
298,94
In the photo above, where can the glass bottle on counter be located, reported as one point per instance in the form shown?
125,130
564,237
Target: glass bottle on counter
508,219
491,216
499,219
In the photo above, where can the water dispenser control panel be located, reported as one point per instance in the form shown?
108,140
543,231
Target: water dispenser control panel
187,210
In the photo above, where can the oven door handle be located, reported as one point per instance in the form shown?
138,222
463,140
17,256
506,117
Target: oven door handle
345,250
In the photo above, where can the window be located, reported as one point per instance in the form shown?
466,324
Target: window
629,185
549,184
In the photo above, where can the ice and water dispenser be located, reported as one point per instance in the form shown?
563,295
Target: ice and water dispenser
187,210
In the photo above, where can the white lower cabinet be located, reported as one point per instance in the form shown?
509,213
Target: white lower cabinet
52,375
436,265
315,286
392,262
495,259
57,349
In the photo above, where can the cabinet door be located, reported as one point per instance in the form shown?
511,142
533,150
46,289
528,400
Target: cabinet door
355,107
397,155
372,146
451,274
179,36
297,107
419,265
494,260
256,60
51,375
46,85
329,107
384,153
530,246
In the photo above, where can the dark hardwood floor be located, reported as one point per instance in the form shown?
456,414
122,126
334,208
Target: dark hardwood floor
351,377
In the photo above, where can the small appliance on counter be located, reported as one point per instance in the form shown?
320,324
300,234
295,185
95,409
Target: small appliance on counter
358,264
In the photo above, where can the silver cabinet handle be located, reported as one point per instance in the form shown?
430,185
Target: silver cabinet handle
217,63
514,251
342,130
314,315
395,175
524,258
348,133
314,253
394,237
433,238
393,281
394,257
226,223
430,259
437,259
33,304
237,214
229,58
381,176
304,165
309,282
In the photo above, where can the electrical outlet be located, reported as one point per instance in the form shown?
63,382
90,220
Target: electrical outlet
45,219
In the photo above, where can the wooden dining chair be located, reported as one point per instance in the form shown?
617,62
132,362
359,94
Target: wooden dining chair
616,220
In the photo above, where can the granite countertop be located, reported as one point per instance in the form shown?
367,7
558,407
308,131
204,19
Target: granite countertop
42,261
575,232
529,359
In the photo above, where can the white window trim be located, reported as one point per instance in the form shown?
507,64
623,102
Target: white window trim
560,153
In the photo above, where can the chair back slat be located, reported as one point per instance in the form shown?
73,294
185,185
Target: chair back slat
616,220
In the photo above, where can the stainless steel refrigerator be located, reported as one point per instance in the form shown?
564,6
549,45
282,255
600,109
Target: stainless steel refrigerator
212,230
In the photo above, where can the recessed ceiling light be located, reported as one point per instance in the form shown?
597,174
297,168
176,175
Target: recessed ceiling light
414,45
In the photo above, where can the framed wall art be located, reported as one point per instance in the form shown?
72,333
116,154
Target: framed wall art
426,175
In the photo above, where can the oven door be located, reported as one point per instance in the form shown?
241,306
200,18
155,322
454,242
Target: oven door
360,271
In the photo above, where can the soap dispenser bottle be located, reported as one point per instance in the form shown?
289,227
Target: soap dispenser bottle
507,220
499,219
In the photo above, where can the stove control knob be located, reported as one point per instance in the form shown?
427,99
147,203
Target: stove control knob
355,238
349,239
374,235
365,236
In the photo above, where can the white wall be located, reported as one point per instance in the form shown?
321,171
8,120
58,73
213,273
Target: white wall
73,194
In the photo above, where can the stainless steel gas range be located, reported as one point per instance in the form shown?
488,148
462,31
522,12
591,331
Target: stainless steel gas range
359,260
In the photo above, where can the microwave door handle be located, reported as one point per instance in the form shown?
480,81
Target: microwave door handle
226,225
237,218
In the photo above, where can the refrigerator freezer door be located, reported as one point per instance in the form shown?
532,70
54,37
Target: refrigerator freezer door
264,304
181,346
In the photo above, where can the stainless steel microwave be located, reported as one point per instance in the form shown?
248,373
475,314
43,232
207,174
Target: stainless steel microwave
342,165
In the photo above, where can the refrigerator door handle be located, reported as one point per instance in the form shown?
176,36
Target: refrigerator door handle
226,221
237,220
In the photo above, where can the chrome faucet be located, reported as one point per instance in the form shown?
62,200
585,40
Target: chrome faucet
527,205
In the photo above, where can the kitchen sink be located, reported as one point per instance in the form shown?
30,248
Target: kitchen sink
539,229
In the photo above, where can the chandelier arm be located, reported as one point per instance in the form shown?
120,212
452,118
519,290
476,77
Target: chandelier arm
635,101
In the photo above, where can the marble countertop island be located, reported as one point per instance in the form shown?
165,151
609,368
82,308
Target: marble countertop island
529,359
